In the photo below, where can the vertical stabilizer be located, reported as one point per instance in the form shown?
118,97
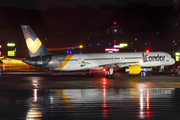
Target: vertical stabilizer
34,45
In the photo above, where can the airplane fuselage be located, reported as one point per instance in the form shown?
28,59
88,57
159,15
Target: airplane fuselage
96,61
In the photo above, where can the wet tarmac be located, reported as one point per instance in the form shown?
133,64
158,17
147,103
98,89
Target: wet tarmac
29,93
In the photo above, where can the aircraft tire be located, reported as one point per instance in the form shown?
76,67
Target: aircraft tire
112,76
109,76
87,74
92,75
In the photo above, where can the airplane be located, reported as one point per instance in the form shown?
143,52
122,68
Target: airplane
131,62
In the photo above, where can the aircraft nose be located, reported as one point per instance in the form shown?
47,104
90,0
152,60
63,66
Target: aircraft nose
173,61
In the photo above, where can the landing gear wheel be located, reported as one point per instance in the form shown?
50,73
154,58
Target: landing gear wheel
92,75
109,76
112,76
87,74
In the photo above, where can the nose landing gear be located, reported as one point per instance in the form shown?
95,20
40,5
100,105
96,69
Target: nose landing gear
109,73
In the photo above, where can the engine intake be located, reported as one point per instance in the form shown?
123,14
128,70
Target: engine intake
132,69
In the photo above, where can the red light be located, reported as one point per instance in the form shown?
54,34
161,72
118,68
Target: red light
104,69
114,23
147,51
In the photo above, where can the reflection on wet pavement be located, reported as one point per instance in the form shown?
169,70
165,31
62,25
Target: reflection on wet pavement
63,95
132,103
18,65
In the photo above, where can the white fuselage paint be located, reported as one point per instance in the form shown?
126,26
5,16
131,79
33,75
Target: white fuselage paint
123,59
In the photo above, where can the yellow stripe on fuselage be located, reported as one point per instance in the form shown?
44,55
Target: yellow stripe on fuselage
66,60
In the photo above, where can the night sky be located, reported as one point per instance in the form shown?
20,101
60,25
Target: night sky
44,4
73,22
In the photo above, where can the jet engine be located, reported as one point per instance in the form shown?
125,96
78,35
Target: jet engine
132,69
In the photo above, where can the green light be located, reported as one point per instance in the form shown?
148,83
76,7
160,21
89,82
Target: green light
11,44
11,53
123,44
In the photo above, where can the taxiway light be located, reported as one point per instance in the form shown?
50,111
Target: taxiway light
69,52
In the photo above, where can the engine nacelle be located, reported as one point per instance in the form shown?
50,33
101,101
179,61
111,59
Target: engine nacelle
132,69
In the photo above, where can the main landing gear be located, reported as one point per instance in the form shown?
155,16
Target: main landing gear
90,74
109,73
160,70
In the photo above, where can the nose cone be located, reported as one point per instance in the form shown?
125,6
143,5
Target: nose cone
173,61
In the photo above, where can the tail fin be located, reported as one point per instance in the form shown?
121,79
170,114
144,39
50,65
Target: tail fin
35,46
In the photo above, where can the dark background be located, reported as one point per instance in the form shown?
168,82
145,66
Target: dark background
69,26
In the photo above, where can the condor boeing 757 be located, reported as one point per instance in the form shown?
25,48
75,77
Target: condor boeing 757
132,62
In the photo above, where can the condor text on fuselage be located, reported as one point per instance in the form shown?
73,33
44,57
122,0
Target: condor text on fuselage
154,58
